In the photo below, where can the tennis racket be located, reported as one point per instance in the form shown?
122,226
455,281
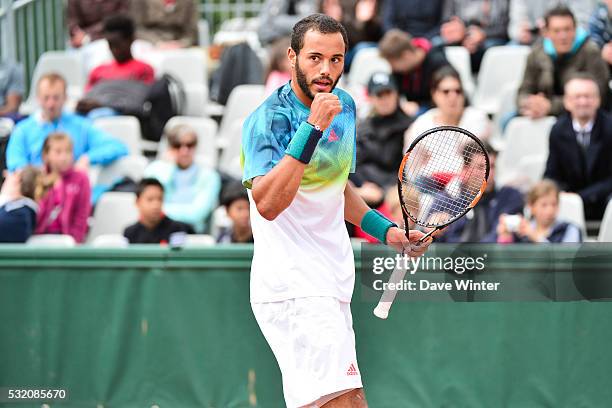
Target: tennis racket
441,178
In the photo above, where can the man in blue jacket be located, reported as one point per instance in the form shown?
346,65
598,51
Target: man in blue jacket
91,145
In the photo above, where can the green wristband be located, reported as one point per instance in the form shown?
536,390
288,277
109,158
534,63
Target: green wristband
304,142
377,225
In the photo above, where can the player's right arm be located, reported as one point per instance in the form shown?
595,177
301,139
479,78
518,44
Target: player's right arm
275,191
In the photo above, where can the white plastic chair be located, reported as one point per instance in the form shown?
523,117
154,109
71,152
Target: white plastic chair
501,65
229,161
68,65
605,229
199,240
114,212
523,137
571,209
52,240
110,241
366,62
459,58
243,100
129,166
219,220
189,67
124,128
205,128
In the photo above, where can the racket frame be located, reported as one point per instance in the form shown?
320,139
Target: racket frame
400,174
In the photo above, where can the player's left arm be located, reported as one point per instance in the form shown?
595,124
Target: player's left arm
358,213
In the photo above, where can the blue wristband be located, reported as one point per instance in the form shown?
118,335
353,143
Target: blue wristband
304,142
377,225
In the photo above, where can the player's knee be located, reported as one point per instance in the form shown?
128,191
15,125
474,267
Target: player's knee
352,399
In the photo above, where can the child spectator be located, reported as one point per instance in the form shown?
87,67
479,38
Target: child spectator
279,71
154,227
18,205
67,205
543,204
191,190
119,33
236,202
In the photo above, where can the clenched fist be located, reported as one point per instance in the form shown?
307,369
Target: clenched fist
324,107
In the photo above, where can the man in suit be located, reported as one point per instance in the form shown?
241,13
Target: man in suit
580,155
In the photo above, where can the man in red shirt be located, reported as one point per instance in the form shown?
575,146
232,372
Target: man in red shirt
119,32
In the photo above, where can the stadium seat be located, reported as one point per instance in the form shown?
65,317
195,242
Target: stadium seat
229,161
243,100
110,241
199,240
206,129
124,128
188,66
114,212
219,220
132,166
523,138
68,65
52,240
366,62
571,209
459,58
203,33
605,229
503,65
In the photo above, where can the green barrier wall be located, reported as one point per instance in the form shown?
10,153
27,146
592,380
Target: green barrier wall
150,326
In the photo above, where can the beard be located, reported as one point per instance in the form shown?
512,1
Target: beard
305,85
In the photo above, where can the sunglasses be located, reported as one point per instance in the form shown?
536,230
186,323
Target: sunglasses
456,91
189,145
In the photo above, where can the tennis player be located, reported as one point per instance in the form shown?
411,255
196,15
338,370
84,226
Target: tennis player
298,148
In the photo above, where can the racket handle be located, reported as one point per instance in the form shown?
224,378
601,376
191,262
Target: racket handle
386,300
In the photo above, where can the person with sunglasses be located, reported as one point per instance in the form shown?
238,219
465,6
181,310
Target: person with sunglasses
191,190
450,109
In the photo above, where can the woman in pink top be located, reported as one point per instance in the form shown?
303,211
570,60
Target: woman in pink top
67,205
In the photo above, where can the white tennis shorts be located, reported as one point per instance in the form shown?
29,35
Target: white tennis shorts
313,341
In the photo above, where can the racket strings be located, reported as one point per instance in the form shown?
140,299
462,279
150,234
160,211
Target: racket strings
442,176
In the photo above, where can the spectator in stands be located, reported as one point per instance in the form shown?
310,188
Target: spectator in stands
580,152
18,207
236,203
481,226
278,71
600,26
564,52
413,62
544,226
380,139
450,108
416,17
91,145
65,208
85,18
527,17
277,18
119,33
12,88
361,20
153,226
476,24
191,190
169,24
